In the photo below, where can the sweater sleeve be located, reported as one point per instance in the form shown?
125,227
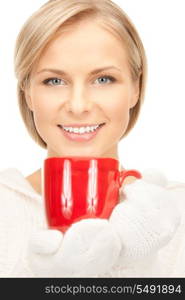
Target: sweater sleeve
172,256
18,217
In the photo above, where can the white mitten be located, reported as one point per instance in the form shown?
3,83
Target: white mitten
147,218
88,248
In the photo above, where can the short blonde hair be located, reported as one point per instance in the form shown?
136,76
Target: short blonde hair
52,19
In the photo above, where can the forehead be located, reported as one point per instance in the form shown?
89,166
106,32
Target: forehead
87,43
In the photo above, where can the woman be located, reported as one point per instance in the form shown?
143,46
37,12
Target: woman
62,53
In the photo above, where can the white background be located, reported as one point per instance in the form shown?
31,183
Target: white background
157,141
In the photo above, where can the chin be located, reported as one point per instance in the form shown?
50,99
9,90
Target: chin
80,153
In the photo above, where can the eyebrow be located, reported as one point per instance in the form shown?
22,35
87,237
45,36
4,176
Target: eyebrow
61,72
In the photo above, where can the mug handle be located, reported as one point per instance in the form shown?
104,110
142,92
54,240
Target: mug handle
123,174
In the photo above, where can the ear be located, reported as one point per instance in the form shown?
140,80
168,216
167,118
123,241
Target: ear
28,99
135,93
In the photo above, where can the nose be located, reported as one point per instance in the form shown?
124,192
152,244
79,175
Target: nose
78,102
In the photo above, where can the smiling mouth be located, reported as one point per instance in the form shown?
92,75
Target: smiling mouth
81,129
81,134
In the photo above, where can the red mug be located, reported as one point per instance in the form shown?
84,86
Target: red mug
76,188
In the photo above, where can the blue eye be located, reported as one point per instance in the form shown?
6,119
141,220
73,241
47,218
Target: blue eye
53,81
110,78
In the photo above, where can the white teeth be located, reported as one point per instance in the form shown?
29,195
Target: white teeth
80,130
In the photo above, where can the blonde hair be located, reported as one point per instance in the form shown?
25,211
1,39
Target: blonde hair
52,19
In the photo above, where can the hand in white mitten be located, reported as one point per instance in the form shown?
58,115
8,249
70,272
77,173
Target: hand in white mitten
147,218
88,248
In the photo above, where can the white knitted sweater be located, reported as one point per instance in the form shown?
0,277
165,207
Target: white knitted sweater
22,212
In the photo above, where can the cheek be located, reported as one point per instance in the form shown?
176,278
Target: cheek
43,106
44,112
117,110
117,104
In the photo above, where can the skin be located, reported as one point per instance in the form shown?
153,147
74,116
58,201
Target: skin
79,97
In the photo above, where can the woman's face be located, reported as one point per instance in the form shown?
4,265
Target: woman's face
77,95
